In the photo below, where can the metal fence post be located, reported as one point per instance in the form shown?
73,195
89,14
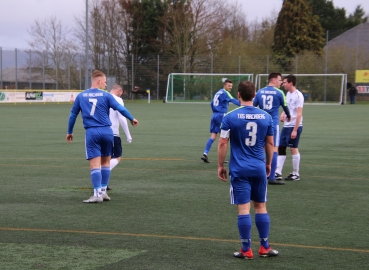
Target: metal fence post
1,68
30,69
157,79
43,70
16,67
133,74
56,71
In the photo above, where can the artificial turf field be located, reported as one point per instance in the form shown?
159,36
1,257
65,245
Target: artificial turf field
168,208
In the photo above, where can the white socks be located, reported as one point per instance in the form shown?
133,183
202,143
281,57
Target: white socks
113,162
296,163
280,164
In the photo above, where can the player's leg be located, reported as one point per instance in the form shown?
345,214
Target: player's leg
93,153
215,123
117,152
272,176
240,195
262,219
107,141
295,175
283,143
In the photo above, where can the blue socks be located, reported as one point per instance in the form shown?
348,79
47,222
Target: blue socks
244,228
274,166
262,222
95,175
208,146
105,176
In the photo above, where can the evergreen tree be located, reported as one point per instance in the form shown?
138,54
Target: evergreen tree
297,30
334,19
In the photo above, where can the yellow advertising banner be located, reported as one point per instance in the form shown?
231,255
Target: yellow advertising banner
362,76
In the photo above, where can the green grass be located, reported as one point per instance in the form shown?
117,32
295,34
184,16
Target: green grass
168,209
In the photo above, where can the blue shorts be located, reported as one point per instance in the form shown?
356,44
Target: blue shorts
117,147
244,189
215,122
99,142
286,137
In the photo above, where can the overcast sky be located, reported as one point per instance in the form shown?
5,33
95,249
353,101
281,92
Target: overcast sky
17,15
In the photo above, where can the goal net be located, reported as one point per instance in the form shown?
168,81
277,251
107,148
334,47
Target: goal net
316,88
199,87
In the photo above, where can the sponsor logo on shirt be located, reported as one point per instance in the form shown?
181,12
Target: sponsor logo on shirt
251,116
92,94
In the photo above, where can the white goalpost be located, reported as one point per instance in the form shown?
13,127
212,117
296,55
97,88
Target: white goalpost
199,87
316,88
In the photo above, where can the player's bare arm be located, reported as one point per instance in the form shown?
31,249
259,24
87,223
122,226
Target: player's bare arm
298,121
269,149
222,151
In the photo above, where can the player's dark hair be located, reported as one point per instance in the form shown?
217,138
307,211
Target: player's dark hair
227,81
97,73
246,90
274,75
290,78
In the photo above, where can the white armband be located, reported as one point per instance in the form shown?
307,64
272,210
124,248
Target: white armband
224,133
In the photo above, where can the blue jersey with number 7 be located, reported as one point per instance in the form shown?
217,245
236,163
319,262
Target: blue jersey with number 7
94,105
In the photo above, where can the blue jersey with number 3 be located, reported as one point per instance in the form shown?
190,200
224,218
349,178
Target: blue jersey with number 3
94,105
248,127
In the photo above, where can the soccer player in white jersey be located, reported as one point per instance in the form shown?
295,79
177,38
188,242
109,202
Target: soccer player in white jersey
117,119
249,130
291,132
94,105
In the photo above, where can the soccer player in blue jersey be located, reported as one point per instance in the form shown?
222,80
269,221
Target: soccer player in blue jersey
94,105
250,132
219,106
269,99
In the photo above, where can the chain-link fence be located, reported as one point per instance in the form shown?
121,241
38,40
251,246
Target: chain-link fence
27,69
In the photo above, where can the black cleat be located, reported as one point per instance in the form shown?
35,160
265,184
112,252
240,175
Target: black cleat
293,177
275,182
205,158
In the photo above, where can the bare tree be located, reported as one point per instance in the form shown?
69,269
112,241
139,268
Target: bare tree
54,50
107,40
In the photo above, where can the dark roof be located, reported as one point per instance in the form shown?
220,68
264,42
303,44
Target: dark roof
353,39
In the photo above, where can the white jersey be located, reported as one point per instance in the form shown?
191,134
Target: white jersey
116,118
294,100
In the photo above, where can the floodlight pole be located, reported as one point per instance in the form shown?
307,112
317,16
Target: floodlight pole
86,49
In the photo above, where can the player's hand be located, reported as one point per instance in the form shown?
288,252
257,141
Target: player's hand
134,122
268,169
293,134
222,174
288,119
69,138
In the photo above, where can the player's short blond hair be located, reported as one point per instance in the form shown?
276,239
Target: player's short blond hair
96,74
